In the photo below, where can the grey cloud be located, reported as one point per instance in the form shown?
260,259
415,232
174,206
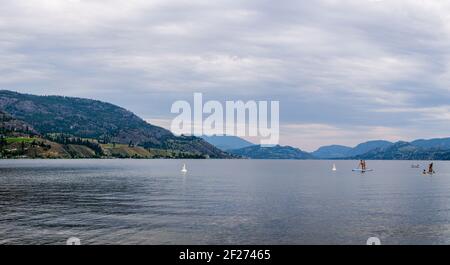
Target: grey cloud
328,62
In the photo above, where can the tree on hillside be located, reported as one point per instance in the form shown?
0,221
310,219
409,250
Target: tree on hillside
3,143
22,147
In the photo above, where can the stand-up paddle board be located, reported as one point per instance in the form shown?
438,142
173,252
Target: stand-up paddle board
362,170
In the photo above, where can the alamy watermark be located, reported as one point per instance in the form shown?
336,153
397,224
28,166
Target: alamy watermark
73,241
373,241
236,118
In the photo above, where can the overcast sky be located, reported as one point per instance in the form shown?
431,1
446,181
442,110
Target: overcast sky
344,71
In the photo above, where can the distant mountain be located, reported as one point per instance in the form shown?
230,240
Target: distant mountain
433,149
227,142
332,151
340,151
368,146
276,152
438,143
406,151
96,120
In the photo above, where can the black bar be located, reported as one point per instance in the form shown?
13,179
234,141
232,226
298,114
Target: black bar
222,254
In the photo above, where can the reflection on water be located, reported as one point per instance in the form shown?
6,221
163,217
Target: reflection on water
221,202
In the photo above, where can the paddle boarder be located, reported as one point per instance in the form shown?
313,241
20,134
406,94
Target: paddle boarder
430,169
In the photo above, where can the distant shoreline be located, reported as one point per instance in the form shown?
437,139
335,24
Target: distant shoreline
216,159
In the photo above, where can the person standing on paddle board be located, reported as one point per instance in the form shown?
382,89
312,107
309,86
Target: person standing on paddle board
362,165
430,169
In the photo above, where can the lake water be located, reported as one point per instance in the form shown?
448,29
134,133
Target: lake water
221,202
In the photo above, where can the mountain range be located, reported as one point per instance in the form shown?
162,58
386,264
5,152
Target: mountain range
274,152
68,124
339,151
67,127
433,149
225,142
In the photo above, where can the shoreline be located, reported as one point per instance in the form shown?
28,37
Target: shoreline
264,159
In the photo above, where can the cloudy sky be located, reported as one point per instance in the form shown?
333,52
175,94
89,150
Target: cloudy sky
344,71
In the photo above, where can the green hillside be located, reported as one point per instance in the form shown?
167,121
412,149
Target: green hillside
73,122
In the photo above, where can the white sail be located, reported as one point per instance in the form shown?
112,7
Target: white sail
184,170
334,167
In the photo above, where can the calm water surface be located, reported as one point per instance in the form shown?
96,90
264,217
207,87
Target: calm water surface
221,202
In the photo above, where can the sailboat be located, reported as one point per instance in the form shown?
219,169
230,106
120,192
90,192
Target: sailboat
334,167
184,170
